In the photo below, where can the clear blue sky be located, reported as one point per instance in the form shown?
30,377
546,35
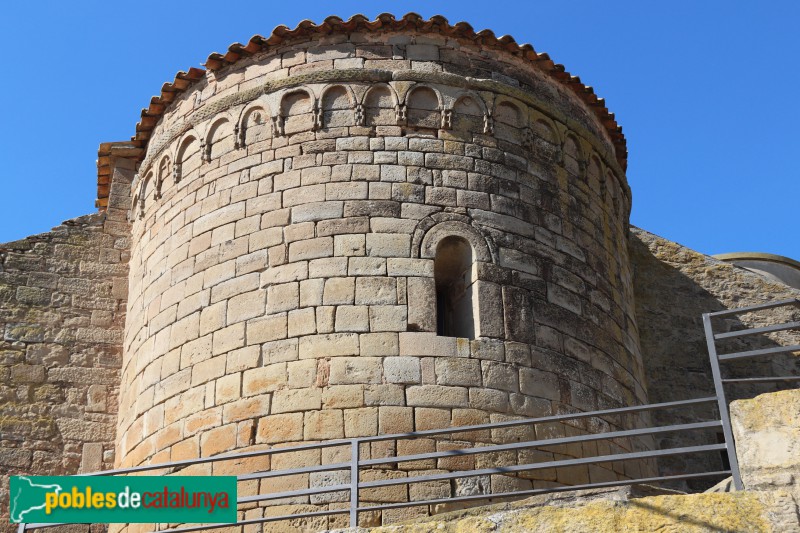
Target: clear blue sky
706,92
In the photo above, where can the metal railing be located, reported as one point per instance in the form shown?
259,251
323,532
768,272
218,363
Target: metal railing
355,465
716,358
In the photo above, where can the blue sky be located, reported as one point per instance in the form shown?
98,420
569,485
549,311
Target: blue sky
705,92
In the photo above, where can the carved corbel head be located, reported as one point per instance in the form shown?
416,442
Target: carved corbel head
401,114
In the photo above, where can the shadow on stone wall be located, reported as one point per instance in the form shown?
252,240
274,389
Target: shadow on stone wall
674,286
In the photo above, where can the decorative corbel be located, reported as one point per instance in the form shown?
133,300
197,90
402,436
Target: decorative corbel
447,119
317,112
528,139
401,114
238,135
488,123
205,152
176,172
278,126
360,115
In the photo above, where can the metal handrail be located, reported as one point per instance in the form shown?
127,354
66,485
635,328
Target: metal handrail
716,358
355,463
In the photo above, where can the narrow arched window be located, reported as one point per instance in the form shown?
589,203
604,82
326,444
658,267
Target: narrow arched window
452,270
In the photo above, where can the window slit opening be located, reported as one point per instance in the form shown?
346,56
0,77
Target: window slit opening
454,289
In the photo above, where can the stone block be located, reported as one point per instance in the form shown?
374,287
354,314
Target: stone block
311,291
388,317
311,249
284,274
280,428
218,440
279,351
431,418
316,211
389,494
343,396
293,400
458,371
388,245
376,291
283,297
302,374
489,400
379,344
388,394
366,266
228,338
269,328
349,245
354,370
228,388
264,379
352,318
246,408
330,345
330,267
436,396
402,370
213,317
500,376
339,291
430,344
393,419
329,479
540,384
302,322
361,422
247,305
323,425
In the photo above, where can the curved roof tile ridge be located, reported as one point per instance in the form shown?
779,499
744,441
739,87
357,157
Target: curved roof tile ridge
436,24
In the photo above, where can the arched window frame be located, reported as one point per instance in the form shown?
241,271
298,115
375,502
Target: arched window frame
485,295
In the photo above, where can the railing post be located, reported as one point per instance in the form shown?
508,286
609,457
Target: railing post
354,458
722,403
21,527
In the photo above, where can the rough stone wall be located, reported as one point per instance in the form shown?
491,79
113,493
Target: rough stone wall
581,512
62,312
767,432
674,286
282,284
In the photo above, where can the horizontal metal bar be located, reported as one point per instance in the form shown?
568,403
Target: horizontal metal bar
530,492
761,380
553,418
541,443
772,305
250,521
541,466
293,493
756,353
292,471
218,458
395,436
756,331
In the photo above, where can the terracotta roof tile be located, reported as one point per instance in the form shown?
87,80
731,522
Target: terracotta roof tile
385,21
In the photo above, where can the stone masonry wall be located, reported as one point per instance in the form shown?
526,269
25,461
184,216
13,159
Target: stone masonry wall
674,287
287,218
62,312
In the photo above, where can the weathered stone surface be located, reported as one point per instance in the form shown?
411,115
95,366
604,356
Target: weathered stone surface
767,435
674,286
577,513
61,320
